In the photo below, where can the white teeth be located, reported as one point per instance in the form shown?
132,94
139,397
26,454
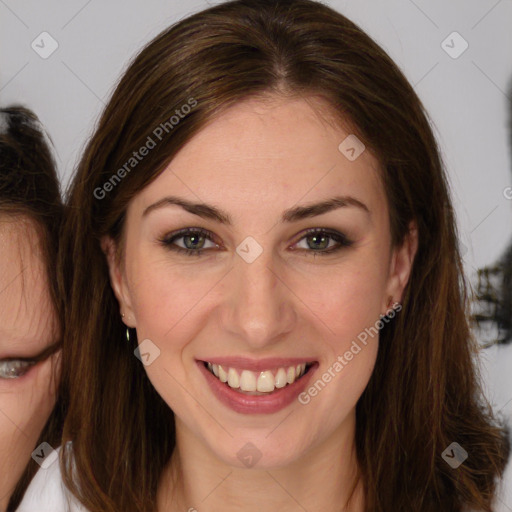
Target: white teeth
265,382
262,382
233,379
247,381
223,376
280,378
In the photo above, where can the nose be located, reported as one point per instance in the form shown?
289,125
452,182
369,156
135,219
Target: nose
259,309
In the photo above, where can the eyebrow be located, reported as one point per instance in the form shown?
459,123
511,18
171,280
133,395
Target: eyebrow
291,215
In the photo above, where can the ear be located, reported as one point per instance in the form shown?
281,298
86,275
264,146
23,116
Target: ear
402,259
118,280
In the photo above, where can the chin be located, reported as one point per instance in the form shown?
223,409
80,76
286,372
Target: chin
262,451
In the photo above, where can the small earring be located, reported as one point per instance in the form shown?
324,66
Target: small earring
391,306
128,334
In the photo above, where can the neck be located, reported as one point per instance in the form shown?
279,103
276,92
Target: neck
324,478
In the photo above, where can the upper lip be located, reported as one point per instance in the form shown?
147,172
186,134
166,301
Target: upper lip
258,365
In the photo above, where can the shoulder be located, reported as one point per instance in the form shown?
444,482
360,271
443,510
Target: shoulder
47,492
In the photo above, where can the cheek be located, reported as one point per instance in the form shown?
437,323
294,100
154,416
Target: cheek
348,306
165,297
349,311
346,298
169,313
352,307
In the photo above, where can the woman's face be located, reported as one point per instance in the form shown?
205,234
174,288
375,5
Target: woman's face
28,326
258,295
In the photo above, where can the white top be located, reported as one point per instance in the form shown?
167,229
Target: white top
47,492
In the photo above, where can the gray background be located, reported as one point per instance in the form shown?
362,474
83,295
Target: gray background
468,98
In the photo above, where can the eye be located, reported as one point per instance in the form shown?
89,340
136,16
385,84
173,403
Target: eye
321,238
193,241
14,368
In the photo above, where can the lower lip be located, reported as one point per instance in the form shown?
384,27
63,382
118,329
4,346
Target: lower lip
256,404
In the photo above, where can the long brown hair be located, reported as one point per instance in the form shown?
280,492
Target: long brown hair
29,188
424,393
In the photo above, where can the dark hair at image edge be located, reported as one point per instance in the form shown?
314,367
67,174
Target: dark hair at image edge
29,190
425,391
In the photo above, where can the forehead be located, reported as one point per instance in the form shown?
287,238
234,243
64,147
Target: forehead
26,311
274,150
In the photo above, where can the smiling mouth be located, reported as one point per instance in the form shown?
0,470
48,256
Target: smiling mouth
258,383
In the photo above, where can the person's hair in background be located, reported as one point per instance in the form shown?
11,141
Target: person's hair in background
424,392
493,301
30,201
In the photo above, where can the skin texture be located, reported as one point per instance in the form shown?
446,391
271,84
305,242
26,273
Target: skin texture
27,326
254,161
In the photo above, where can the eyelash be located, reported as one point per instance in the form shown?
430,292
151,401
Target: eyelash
19,364
167,241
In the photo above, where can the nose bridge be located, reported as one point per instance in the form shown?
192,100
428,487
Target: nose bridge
259,308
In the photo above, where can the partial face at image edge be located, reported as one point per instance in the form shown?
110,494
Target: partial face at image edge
29,348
